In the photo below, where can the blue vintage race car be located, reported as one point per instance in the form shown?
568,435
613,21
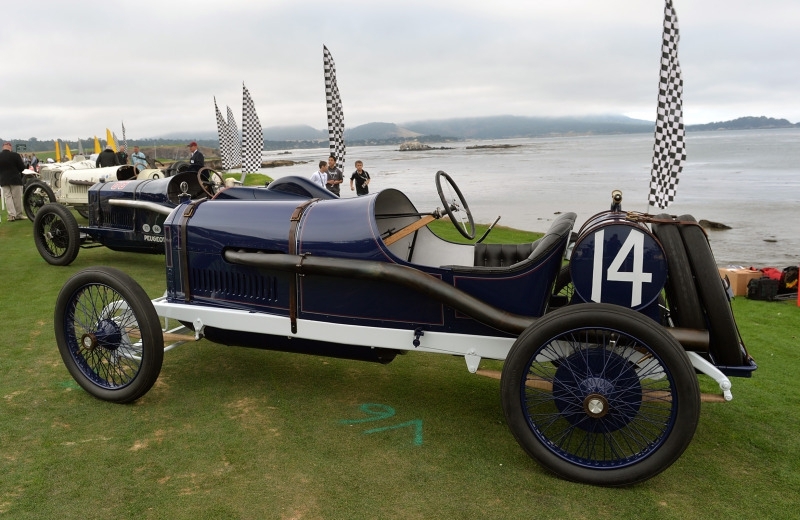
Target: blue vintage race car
118,225
601,353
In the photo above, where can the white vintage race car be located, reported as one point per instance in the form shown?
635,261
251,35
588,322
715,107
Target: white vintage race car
68,183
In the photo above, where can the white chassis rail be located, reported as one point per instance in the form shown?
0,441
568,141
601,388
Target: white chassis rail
472,347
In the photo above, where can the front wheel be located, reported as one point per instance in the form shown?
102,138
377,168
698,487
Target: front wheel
600,394
109,334
56,234
35,196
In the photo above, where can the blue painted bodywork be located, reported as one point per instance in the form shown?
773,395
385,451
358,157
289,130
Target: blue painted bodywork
340,228
141,230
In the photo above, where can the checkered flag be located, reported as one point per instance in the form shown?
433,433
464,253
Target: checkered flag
335,113
124,139
669,150
252,136
224,142
233,138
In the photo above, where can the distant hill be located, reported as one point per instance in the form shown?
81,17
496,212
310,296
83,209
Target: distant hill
502,127
746,123
433,131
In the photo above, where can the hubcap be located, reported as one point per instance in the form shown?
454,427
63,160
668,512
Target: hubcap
595,405
89,341
597,390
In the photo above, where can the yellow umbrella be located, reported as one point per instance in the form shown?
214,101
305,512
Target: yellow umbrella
67,153
58,151
97,148
110,140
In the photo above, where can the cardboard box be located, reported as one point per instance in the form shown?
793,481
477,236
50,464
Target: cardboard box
739,278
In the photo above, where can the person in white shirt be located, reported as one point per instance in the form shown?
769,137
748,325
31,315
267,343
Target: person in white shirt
321,177
139,159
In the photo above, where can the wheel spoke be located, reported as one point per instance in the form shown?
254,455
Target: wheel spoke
583,363
101,324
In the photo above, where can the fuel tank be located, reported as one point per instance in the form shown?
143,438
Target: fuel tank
617,260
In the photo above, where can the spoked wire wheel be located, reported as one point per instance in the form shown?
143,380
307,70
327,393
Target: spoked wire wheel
109,334
600,394
56,235
35,196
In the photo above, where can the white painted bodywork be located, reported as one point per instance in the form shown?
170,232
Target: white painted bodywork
476,347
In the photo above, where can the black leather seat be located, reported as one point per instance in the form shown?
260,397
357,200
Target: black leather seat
501,255
509,255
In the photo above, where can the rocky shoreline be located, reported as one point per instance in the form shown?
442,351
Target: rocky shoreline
413,146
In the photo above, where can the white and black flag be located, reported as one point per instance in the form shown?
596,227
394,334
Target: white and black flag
235,139
224,143
669,150
335,113
124,138
252,135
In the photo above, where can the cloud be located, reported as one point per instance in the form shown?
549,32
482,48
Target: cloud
158,65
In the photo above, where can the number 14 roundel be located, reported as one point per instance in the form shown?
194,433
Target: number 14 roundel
620,264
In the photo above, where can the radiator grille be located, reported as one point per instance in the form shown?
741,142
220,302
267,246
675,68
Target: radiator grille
119,219
78,190
234,285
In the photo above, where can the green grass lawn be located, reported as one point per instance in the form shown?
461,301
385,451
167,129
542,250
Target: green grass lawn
240,433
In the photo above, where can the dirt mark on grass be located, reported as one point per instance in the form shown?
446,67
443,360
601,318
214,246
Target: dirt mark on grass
249,412
157,437
12,395
8,498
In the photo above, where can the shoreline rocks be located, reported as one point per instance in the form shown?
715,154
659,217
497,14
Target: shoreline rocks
412,146
716,226
492,146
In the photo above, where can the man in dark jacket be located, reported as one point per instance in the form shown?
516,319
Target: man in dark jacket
196,160
11,166
107,158
122,155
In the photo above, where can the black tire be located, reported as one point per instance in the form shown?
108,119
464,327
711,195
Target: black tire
461,204
56,234
684,303
35,196
724,343
83,212
600,394
99,313
177,167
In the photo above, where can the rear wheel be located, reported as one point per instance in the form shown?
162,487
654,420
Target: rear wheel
35,196
600,394
56,234
109,334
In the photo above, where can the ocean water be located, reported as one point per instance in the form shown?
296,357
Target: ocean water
749,180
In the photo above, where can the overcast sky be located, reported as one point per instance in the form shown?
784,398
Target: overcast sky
72,69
